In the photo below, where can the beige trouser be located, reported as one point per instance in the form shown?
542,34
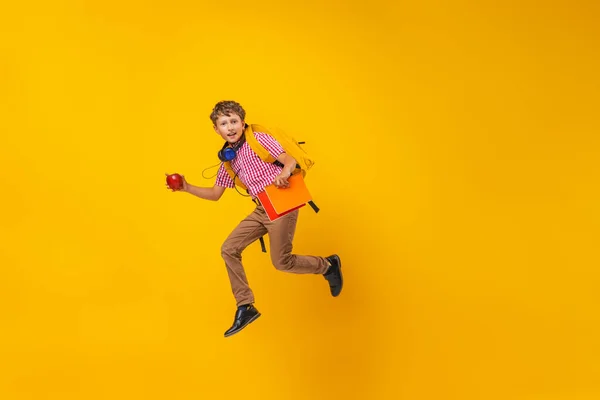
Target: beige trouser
281,234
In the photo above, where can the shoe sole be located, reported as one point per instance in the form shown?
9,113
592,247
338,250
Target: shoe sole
341,276
245,325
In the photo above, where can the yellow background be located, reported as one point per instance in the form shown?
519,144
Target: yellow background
457,172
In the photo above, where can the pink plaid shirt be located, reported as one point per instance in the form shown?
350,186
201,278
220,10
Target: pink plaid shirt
251,169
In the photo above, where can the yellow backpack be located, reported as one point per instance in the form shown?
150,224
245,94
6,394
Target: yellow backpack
290,145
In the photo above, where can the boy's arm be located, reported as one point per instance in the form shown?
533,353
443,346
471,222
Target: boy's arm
289,164
207,193
210,193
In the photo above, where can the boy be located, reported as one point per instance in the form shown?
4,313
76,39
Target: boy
228,121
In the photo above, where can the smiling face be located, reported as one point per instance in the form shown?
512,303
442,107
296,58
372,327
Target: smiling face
230,127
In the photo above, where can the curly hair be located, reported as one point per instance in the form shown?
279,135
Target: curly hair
226,108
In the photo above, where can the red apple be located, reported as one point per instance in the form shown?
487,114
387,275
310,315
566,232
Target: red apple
175,181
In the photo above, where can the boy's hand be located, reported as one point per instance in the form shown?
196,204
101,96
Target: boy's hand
184,185
281,180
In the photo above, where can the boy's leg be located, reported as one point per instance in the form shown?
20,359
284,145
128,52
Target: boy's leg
248,231
281,235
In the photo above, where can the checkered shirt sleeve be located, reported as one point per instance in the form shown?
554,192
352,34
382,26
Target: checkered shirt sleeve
269,143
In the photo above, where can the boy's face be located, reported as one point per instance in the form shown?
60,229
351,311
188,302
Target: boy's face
230,127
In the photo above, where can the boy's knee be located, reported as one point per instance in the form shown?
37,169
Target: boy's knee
283,263
227,250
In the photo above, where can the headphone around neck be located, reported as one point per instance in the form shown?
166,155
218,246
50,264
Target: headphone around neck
228,152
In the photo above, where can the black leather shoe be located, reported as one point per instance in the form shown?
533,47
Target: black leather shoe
243,316
334,275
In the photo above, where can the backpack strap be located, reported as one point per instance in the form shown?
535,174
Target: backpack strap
236,179
255,145
262,244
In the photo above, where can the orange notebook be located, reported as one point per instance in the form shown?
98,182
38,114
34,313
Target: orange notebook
271,213
291,197
278,202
